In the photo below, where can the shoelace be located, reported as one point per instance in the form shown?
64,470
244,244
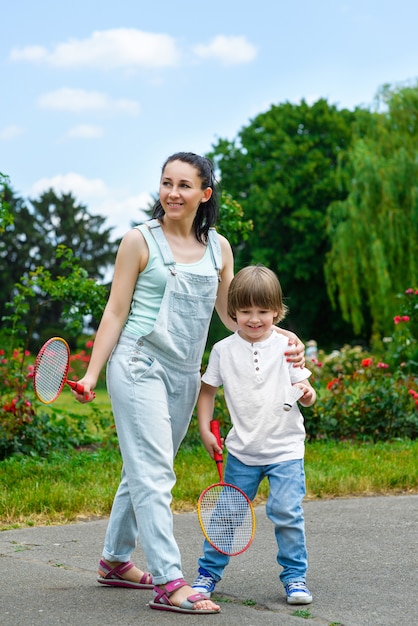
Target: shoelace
297,586
203,581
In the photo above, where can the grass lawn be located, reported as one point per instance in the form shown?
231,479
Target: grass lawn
81,484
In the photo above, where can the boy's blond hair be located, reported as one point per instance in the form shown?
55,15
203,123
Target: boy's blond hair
256,285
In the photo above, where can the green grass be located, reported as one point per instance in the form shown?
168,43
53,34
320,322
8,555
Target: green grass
80,485
66,402
303,613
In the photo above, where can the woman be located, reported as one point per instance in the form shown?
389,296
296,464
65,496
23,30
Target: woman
169,275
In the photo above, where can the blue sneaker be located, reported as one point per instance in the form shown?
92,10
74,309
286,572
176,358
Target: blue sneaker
204,583
298,593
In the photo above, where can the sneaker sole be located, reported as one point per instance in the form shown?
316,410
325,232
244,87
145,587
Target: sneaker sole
299,600
202,591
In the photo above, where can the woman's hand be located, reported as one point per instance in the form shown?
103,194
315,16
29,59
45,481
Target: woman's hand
296,351
88,394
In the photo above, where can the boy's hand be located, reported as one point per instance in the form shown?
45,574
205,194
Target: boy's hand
210,443
309,394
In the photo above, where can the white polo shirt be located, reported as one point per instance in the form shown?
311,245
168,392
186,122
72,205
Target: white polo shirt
256,379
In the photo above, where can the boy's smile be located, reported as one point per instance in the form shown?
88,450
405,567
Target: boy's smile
255,324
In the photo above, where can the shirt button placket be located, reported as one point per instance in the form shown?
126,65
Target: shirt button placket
256,362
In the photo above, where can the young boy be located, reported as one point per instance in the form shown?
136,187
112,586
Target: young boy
266,439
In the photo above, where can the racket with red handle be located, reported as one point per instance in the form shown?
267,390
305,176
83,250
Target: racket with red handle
51,369
226,514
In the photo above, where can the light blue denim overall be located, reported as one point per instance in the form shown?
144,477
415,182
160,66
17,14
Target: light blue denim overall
153,382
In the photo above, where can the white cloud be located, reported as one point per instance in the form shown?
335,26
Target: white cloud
82,188
228,50
80,100
10,132
116,205
122,211
107,49
29,53
85,131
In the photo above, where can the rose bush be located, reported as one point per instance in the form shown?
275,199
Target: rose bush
25,427
370,396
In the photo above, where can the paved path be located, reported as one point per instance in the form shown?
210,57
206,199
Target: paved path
363,572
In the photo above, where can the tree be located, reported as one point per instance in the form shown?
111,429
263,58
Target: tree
5,214
15,246
38,229
282,170
61,221
374,231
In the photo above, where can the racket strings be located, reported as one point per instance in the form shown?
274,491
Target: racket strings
51,371
227,519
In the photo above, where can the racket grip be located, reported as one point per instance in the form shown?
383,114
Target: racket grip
75,386
215,430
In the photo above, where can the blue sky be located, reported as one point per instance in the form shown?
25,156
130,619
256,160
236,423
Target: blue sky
95,95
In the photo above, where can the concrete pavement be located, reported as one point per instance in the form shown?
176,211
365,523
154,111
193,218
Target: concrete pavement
363,557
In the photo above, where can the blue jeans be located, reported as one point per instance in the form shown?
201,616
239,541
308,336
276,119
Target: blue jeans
283,508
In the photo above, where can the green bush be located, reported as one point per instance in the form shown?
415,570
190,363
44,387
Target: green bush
370,403
367,396
25,427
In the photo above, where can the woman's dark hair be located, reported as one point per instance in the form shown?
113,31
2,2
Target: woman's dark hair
207,213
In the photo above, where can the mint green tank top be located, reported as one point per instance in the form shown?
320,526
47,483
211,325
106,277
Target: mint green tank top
151,283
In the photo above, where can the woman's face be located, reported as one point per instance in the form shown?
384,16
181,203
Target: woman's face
181,190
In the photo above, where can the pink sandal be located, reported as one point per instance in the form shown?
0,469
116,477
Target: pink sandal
162,600
114,578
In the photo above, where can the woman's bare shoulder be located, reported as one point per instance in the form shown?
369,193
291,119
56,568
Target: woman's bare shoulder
134,246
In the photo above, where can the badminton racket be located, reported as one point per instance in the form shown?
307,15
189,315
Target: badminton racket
51,369
225,513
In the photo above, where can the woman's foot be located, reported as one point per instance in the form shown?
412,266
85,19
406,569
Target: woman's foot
179,596
120,574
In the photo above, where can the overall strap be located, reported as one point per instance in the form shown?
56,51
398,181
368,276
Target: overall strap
213,243
157,233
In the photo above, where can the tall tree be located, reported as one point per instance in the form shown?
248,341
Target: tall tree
60,220
5,215
374,231
282,169
15,246
38,228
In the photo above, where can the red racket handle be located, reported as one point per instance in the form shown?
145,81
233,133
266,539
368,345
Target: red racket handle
215,430
76,386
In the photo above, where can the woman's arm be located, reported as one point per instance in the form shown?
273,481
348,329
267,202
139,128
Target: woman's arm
131,259
227,274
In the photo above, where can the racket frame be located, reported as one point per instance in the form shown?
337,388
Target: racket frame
74,385
218,457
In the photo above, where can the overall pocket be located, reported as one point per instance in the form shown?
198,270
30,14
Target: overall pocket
190,315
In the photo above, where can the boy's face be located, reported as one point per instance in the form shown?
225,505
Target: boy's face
255,324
